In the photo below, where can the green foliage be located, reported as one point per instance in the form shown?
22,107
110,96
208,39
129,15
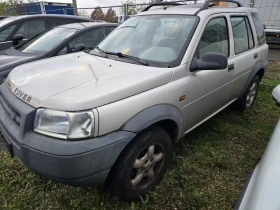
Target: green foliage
97,14
2,6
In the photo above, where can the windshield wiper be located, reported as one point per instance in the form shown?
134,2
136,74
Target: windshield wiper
102,52
121,55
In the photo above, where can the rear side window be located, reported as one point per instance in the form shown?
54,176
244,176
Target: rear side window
215,38
242,34
61,21
111,28
259,28
90,38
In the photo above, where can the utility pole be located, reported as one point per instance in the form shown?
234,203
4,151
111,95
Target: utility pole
75,7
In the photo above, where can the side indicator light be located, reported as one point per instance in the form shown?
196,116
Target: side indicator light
182,98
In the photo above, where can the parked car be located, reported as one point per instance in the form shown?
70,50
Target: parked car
58,41
28,26
114,114
2,17
263,186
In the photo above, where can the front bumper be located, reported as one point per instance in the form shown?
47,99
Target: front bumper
79,163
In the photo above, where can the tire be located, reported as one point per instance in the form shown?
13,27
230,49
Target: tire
250,95
123,180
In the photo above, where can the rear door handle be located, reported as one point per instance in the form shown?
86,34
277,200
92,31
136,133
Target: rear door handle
256,55
231,67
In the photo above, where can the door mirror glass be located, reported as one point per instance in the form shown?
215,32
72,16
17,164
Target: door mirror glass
210,61
17,38
79,47
276,95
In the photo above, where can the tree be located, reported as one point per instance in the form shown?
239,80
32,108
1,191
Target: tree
97,14
2,7
111,16
16,6
128,7
133,10
83,13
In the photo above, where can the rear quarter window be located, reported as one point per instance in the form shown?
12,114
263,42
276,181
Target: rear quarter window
258,27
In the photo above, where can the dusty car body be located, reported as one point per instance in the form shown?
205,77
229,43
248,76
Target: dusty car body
113,115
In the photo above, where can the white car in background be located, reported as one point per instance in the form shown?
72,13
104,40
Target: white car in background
262,189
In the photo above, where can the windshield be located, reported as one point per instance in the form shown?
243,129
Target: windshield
47,42
158,39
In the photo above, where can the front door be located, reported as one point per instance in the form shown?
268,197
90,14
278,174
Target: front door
210,90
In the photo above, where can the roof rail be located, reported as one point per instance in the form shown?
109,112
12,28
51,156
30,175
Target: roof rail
207,3
161,4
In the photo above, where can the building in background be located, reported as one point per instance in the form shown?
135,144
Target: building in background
269,13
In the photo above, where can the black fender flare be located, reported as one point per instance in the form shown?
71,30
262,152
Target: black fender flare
258,66
153,115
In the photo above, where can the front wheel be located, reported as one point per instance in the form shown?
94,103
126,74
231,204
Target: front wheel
142,164
249,97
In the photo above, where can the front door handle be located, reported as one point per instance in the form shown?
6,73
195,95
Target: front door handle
256,55
231,67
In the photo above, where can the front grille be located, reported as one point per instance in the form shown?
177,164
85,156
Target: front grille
13,114
272,34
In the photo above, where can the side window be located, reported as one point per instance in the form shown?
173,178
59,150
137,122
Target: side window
111,29
250,34
6,33
215,38
90,38
63,51
61,21
242,34
31,28
259,28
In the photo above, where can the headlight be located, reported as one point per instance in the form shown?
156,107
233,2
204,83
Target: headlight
65,125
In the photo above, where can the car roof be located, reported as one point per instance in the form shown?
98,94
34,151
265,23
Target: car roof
81,26
193,9
24,17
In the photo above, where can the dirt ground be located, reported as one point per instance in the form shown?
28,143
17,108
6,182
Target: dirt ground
274,55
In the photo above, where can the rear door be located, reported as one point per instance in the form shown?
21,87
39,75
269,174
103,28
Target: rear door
245,53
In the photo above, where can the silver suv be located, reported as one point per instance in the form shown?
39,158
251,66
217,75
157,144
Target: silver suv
114,114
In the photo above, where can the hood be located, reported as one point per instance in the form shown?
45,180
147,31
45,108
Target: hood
11,58
263,189
82,81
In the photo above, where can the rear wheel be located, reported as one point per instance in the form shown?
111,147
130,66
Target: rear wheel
249,97
142,164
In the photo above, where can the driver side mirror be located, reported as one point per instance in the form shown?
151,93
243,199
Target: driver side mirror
210,61
276,95
17,38
79,47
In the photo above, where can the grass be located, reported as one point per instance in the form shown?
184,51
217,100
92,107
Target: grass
208,169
